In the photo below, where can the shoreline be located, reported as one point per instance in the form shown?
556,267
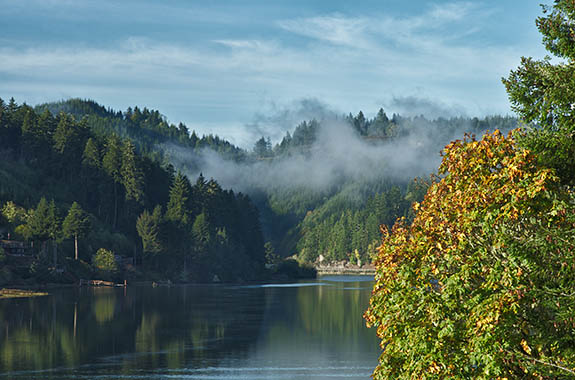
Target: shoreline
7,293
338,270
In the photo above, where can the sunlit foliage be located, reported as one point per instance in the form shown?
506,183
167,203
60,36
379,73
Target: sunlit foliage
481,284
542,92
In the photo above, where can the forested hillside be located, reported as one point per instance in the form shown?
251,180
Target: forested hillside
148,129
79,190
325,188
322,191
339,219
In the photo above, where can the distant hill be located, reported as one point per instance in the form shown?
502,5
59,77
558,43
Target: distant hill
367,174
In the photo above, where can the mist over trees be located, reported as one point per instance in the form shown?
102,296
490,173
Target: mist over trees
322,190
321,173
326,187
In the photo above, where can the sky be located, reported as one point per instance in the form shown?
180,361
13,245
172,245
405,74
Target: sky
237,68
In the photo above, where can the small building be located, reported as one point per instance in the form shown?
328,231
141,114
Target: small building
15,247
123,261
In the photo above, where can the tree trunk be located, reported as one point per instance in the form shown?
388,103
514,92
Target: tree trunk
55,252
75,246
115,205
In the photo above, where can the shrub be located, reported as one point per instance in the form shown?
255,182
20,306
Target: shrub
104,261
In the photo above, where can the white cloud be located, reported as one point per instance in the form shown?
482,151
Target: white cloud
451,11
246,44
336,29
351,63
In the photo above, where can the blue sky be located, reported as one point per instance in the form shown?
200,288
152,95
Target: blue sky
231,67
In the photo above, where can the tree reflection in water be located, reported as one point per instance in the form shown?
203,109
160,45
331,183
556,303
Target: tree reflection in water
150,332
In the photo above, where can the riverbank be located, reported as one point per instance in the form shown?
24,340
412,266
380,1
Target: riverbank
344,268
20,293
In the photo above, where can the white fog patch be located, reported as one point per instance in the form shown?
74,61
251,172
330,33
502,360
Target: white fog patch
339,154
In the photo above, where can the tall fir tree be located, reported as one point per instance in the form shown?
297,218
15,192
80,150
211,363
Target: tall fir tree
76,224
148,227
131,173
178,210
112,163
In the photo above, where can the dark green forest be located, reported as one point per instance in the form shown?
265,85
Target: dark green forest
96,192
87,195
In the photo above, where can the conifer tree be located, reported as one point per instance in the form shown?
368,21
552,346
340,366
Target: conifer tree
201,232
131,173
148,227
543,93
178,206
112,163
43,223
38,221
76,224
65,133
91,155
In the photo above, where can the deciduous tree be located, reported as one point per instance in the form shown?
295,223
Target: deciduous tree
481,284
104,260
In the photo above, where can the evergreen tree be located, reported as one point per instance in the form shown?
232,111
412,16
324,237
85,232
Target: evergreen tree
148,227
39,221
12,106
543,93
54,226
201,233
43,223
63,134
76,224
93,183
178,210
131,173
91,155
112,160
360,123
112,163
262,147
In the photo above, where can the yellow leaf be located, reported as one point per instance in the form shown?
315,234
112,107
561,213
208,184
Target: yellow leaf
525,347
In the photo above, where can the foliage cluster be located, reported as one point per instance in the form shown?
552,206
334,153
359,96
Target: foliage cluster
105,261
480,285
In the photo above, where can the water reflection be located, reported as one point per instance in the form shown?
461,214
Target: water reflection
313,330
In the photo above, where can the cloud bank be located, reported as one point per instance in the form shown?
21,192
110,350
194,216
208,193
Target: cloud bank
338,155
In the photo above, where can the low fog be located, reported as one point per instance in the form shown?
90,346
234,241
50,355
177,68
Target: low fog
338,155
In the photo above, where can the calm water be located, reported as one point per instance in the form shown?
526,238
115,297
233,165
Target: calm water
309,330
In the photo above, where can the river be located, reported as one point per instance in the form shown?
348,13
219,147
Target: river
310,330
